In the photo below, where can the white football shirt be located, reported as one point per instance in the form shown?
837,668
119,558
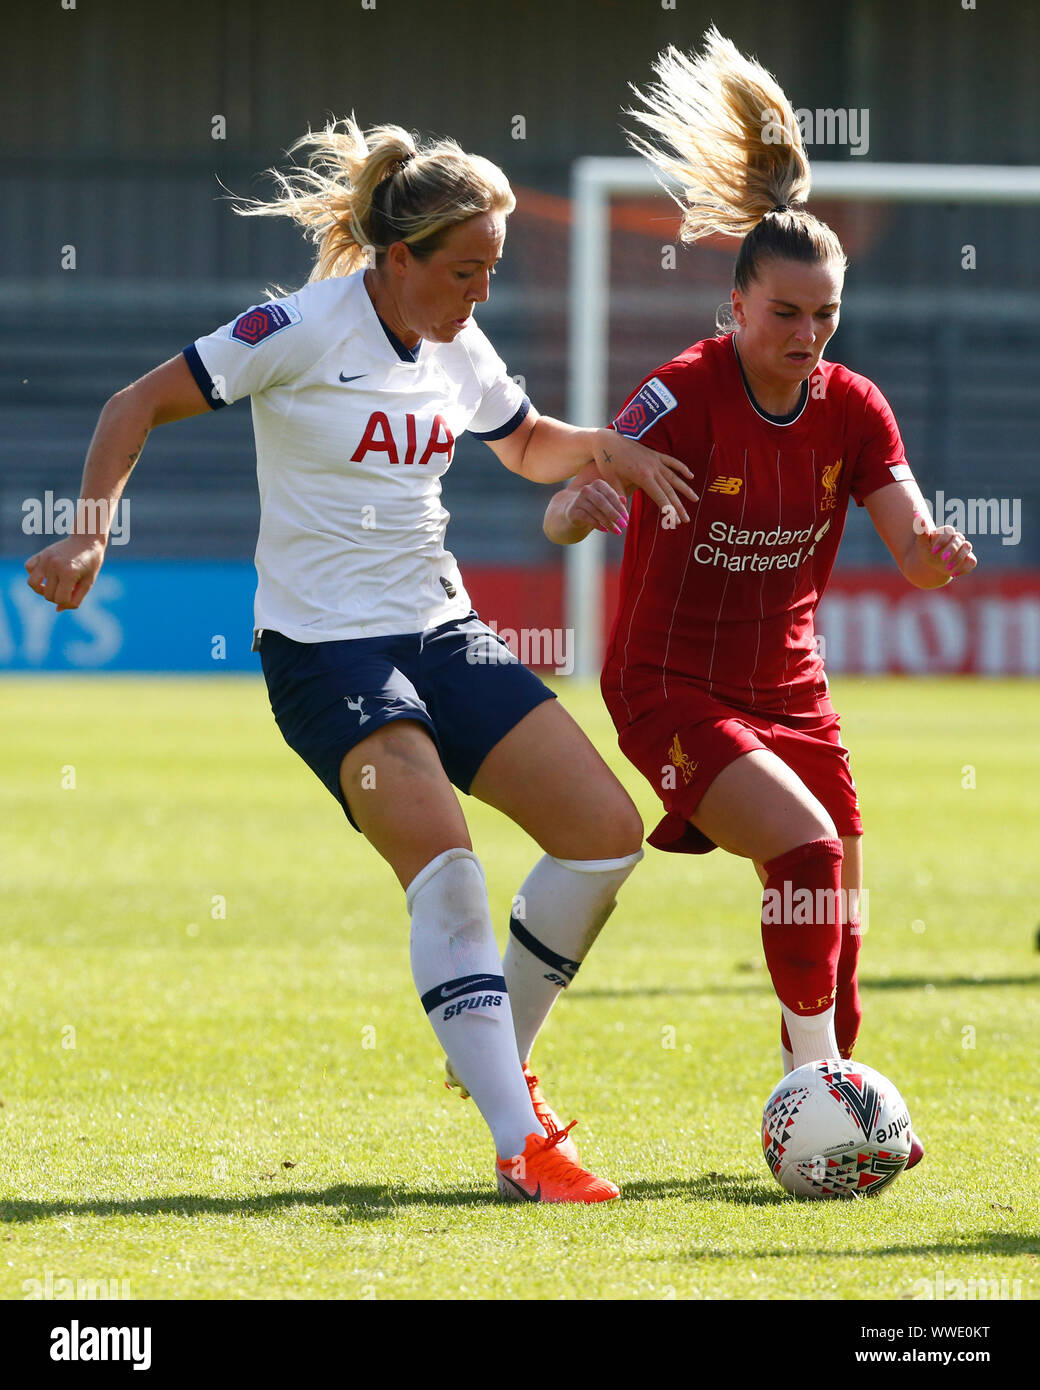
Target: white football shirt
353,434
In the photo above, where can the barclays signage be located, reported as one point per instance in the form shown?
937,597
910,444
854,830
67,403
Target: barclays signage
139,616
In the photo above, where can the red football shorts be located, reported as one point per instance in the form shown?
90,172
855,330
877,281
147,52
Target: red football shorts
681,744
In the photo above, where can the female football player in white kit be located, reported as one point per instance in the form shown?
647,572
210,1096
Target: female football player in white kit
381,677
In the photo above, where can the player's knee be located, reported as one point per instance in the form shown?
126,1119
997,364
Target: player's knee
812,825
599,823
618,831
828,830
630,839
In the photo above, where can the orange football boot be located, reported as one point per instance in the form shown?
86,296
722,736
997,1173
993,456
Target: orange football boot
543,1174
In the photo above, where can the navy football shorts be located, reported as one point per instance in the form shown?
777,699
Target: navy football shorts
459,680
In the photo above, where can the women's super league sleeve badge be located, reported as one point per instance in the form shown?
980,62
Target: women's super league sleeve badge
263,321
647,406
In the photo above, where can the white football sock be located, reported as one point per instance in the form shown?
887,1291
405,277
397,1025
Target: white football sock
458,973
786,1060
557,915
812,1039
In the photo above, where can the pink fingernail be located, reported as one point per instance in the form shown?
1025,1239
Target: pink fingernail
946,554
616,530
624,522
936,547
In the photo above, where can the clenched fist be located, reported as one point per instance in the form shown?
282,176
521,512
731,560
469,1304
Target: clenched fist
65,571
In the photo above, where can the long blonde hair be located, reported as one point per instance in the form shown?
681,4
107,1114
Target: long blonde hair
364,190
726,133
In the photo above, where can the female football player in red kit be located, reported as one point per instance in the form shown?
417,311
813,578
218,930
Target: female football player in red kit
712,675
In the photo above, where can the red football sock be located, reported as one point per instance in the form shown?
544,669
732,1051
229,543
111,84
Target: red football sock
848,1011
801,930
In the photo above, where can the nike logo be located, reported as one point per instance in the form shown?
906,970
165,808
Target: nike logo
469,985
535,1196
352,378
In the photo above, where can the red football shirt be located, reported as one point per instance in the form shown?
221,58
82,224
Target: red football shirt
727,601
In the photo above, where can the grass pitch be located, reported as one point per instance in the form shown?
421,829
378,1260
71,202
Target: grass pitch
218,1082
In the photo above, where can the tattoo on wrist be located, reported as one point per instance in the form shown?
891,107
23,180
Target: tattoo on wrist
607,458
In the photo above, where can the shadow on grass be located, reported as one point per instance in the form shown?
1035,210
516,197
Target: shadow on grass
992,1243
756,985
759,984
714,1187
951,982
363,1202
376,1201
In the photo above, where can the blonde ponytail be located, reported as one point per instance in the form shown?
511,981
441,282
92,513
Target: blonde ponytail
362,191
724,130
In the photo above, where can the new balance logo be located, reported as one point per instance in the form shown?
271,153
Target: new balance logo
356,706
729,486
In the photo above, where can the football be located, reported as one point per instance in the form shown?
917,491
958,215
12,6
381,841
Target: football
835,1129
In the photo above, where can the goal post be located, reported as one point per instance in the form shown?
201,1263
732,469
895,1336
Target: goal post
594,181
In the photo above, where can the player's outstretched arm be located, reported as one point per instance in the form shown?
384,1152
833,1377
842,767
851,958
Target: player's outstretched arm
586,504
65,571
929,556
545,450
